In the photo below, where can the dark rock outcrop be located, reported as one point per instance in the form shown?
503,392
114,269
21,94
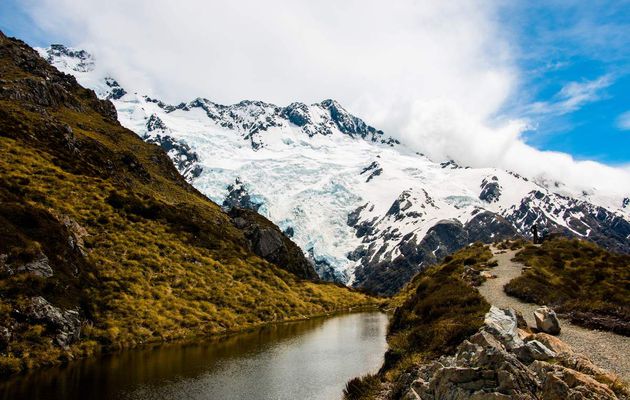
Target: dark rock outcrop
387,276
490,190
65,324
239,197
267,241
582,219
373,170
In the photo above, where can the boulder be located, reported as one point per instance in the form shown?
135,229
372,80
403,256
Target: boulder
487,275
532,351
551,342
547,321
582,364
502,323
65,323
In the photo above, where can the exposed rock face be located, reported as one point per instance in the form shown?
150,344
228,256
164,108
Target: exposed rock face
495,363
490,190
116,91
382,273
547,321
373,170
267,241
65,323
239,197
582,219
38,266
186,160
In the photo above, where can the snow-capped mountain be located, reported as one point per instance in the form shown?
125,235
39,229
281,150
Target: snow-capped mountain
367,210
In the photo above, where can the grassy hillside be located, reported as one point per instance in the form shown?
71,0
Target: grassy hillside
587,283
434,313
96,221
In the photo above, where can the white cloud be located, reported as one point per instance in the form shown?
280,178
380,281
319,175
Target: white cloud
572,97
623,121
434,73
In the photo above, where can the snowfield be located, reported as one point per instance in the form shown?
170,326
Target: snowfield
349,195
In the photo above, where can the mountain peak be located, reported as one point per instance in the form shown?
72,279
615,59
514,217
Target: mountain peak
354,200
64,58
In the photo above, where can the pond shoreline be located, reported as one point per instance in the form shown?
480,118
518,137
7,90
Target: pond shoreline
332,348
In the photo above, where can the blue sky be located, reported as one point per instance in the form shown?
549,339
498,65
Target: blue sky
573,59
583,46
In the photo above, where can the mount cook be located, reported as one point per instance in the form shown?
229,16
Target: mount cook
368,211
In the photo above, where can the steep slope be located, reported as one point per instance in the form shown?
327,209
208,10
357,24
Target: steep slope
103,244
367,210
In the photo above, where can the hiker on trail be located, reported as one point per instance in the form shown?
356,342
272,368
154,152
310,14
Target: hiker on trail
535,233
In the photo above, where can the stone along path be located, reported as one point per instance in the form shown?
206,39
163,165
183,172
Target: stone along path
606,349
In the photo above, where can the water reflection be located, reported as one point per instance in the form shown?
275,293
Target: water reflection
306,360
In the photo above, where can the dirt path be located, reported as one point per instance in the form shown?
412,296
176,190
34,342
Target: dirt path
608,350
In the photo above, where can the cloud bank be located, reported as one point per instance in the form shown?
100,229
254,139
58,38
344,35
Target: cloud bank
433,73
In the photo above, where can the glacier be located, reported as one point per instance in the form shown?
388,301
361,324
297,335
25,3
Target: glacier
357,201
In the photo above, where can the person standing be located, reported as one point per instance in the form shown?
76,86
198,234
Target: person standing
535,233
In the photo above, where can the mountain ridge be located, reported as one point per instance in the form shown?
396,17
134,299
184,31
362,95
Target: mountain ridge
367,210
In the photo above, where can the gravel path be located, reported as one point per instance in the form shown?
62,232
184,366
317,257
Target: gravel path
608,350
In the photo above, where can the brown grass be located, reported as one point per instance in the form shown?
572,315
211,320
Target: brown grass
579,279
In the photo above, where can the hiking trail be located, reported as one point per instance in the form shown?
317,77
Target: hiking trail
606,349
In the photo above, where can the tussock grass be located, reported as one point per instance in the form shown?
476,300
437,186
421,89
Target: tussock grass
435,312
579,279
160,261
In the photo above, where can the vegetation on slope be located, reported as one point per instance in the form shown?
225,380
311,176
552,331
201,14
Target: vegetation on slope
437,310
96,221
577,278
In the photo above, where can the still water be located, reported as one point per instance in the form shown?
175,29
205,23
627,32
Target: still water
302,360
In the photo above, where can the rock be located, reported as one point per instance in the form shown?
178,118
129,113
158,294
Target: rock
582,364
238,196
485,339
487,275
5,337
38,266
66,323
547,321
267,241
561,383
77,233
551,342
534,350
523,334
502,323
490,190
521,323
494,364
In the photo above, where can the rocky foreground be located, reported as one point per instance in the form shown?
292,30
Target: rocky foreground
505,359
